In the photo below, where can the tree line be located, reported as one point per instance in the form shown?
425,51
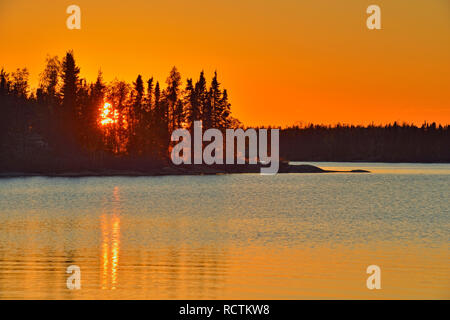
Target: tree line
64,124
63,116
376,143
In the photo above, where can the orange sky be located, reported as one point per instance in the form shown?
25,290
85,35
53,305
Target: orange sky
283,61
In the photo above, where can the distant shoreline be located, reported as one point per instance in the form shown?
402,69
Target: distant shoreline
193,170
371,161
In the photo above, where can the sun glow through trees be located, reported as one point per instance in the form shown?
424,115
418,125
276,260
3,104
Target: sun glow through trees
108,115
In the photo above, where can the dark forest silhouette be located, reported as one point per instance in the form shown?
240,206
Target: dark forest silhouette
59,126
389,143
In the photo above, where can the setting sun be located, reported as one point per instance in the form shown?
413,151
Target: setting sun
108,115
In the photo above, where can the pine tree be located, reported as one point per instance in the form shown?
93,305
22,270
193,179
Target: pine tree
136,129
139,93
215,97
70,113
98,91
225,106
201,96
70,80
161,124
191,105
172,93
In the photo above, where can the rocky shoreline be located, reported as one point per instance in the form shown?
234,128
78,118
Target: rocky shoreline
181,170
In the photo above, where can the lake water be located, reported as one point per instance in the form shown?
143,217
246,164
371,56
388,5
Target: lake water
243,236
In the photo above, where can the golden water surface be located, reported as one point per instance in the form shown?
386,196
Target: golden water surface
290,236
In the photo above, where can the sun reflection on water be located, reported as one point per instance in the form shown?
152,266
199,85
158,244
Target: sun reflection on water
110,226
